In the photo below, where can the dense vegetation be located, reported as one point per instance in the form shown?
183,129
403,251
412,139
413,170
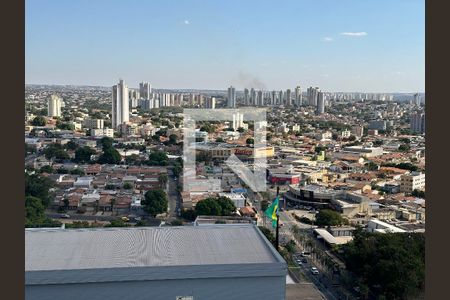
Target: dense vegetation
327,217
220,206
390,266
155,202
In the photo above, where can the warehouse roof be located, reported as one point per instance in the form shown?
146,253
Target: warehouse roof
72,249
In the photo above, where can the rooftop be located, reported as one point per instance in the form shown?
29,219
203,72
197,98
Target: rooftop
72,249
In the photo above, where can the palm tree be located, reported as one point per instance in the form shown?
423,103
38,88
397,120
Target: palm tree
162,178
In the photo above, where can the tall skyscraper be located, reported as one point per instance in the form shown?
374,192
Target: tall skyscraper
320,103
298,96
145,90
273,98
288,101
312,96
238,120
120,105
231,101
252,96
417,122
416,100
280,98
54,106
246,97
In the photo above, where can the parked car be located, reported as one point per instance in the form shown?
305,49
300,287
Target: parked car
314,271
65,216
125,219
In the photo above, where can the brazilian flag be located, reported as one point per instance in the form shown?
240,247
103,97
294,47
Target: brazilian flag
271,212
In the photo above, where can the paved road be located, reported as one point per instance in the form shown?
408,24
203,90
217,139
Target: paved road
173,196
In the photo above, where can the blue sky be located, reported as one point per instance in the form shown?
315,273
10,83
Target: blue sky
338,45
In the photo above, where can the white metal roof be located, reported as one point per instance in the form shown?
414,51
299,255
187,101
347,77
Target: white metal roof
72,249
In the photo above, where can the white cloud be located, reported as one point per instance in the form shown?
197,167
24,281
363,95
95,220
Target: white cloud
362,33
327,39
186,22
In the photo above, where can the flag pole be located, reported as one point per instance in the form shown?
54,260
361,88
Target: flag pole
278,223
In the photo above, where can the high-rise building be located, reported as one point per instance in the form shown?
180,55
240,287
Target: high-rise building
273,98
417,122
134,96
312,94
280,98
252,96
246,97
260,101
145,90
120,105
358,131
238,120
231,101
298,96
320,103
54,106
211,103
416,101
288,98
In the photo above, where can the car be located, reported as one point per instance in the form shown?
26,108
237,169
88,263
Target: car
314,271
304,253
298,261
138,219
125,219
65,216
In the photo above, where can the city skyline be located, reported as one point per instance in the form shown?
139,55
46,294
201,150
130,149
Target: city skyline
367,47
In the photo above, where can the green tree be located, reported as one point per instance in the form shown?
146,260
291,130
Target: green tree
71,145
162,179
83,154
208,207
188,214
172,139
158,158
77,171
110,156
219,140
227,206
47,169
56,151
39,187
327,217
127,186
391,265
250,141
39,121
155,202
106,142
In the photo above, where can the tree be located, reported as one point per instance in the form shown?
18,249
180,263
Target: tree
155,202
56,151
371,166
64,125
83,154
327,217
208,207
176,222
250,141
158,158
220,206
227,206
47,169
352,138
264,205
391,265
117,223
240,129
162,179
106,142
188,214
77,171
39,187
127,186
71,145
110,156
219,140
172,139
39,121
34,210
